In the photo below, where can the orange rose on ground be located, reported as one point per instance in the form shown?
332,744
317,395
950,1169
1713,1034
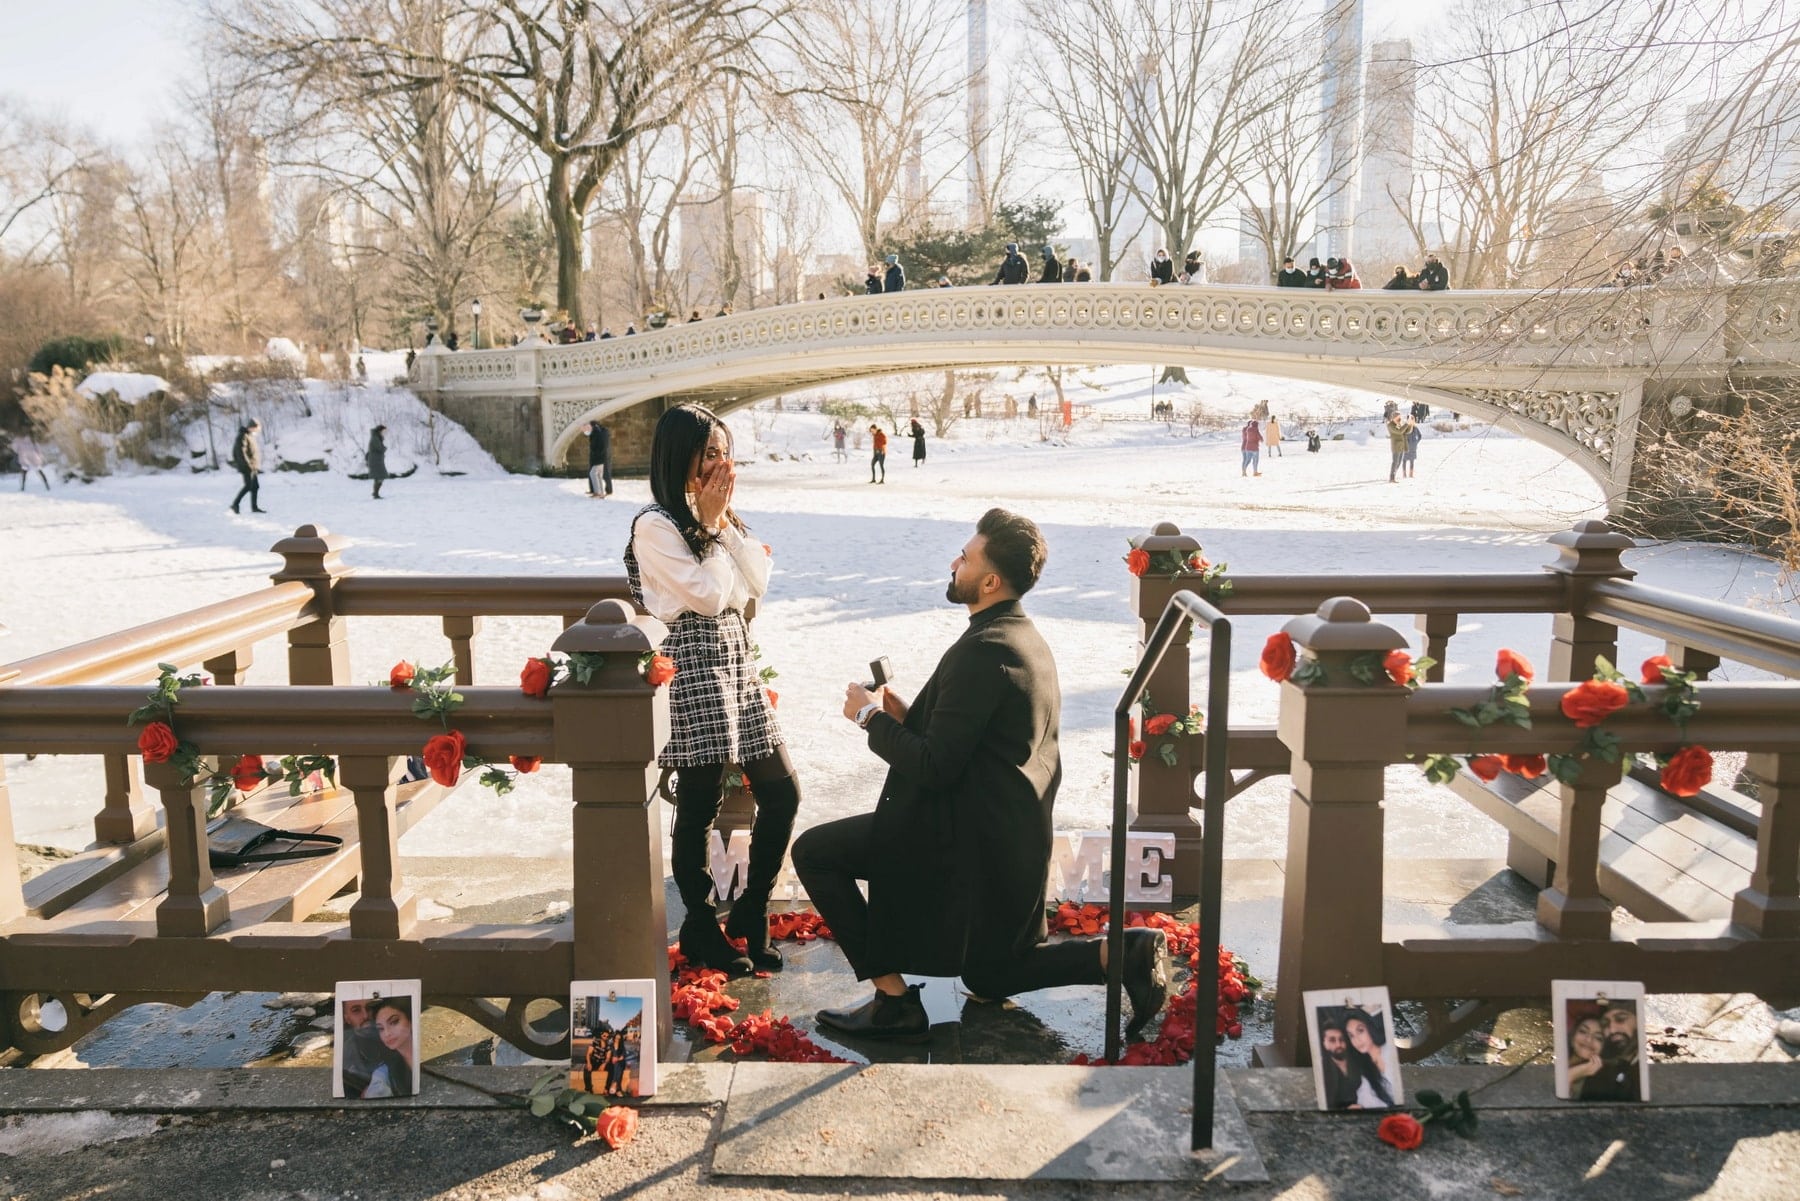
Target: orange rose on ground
401,676
1593,701
1689,770
157,742
247,773
535,679
1401,1130
1653,668
525,763
1487,767
617,1125
1159,725
1398,665
1138,561
1278,657
444,755
1529,766
660,671
1510,663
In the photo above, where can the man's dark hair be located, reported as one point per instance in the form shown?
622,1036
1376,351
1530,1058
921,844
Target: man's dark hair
682,433
1015,547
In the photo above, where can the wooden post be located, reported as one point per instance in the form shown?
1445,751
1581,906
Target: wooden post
1771,905
1162,797
1686,658
1573,907
461,632
12,892
1589,553
317,650
1343,734
194,906
126,816
385,907
609,732
1438,628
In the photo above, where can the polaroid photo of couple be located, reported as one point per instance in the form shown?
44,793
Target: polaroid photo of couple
1600,1040
1356,1061
376,1051
612,1037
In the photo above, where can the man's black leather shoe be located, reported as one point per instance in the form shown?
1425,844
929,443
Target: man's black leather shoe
1147,974
900,1019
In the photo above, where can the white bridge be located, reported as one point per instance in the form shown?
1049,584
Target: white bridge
1577,370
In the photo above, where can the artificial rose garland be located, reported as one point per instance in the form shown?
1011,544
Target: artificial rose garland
1278,657
157,742
1593,701
400,676
1688,771
1508,664
1174,564
444,755
1137,562
1281,661
525,764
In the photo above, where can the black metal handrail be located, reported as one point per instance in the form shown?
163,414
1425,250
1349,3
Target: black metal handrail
1184,608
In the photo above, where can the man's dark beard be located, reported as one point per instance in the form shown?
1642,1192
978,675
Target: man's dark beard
1618,1046
969,597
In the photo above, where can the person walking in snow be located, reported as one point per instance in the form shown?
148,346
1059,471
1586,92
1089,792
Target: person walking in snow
1272,436
918,437
838,434
1413,437
376,458
895,279
246,456
1251,443
30,459
599,438
1397,428
879,461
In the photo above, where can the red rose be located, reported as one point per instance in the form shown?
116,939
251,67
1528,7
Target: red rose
157,742
1511,663
1593,701
1398,665
1278,657
774,697
1197,562
400,677
535,679
767,549
1487,767
1159,725
1401,1130
444,756
1136,751
1653,668
1689,770
525,763
617,1125
247,773
1529,766
1138,561
660,671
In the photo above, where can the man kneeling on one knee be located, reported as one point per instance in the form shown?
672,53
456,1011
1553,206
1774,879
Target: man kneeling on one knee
958,848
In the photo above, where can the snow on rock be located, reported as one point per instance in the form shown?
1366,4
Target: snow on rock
61,1133
283,350
128,387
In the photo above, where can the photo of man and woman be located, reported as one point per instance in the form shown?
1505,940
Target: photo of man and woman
612,1038
1355,1062
376,1053
1599,1032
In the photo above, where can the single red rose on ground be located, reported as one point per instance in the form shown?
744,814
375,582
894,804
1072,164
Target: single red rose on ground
1511,663
444,755
1653,668
617,1125
1278,657
1689,770
1159,725
1529,766
535,679
660,671
1136,751
157,742
247,773
1138,561
1593,701
1401,1130
400,677
1398,665
774,697
525,763
1487,767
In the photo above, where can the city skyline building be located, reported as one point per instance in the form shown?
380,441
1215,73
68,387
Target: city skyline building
1340,104
1390,109
980,122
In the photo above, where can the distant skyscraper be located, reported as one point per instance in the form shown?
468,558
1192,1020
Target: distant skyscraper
1340,100
1390,105
979,126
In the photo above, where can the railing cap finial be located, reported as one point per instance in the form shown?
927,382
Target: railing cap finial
612,627
1591,548
1166,535
1343,623
312,553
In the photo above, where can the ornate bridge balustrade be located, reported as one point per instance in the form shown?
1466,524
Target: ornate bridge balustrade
1716,877
142,916
1567,368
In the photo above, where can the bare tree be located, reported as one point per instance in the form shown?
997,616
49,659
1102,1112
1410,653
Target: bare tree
1283,189
168,230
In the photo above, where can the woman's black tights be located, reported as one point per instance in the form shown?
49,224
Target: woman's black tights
698,795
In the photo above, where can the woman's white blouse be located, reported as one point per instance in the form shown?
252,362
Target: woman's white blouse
734,570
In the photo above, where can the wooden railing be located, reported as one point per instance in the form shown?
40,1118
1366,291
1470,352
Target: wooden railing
1349,737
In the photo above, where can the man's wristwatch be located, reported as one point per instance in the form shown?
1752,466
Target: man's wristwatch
866,712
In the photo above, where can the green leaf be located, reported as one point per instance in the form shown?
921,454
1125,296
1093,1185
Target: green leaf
1466,718
543,1105
1566,768
1169,754
1430,1098
1604,669
1604,743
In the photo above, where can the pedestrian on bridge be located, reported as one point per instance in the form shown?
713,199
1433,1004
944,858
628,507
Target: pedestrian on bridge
894,280
692,565
1013,268
1051,273
1162,268
873,283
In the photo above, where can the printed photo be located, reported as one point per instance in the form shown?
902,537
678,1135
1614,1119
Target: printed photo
376,1053
612,1037
1600,1036
1356,1062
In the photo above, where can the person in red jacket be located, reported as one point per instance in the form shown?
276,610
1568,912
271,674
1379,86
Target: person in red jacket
880,459
1340,275
1252,444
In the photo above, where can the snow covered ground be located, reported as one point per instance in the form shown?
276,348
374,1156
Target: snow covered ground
860,569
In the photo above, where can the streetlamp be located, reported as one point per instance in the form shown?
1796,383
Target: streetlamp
475,308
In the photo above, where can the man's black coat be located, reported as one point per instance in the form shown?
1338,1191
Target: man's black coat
963,825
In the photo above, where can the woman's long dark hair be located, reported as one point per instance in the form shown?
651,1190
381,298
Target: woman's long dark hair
682,433
1365,1064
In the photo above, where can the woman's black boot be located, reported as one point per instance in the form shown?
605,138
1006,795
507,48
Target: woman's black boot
702,943
777,801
